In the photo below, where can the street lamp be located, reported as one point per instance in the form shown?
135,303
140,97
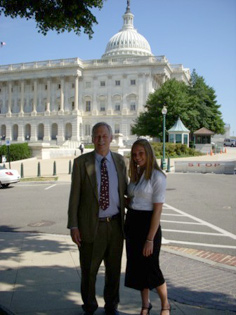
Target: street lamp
164,112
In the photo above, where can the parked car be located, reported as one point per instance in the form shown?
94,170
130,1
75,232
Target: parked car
230,143
8,176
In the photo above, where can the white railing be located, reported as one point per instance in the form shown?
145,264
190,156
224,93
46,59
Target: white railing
41,64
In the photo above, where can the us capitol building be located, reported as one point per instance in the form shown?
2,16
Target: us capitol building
59,101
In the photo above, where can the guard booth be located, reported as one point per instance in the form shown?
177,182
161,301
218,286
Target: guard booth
179,133
202,140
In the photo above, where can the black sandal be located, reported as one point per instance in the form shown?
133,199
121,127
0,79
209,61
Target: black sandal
146,308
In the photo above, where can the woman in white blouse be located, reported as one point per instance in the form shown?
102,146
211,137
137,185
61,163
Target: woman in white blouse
146,195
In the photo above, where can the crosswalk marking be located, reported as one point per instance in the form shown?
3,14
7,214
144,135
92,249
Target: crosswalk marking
218,232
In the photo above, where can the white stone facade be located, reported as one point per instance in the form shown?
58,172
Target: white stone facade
60,100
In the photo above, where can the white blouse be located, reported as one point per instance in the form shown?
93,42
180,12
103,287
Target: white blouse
146,192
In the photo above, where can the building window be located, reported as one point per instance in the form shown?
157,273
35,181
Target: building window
88,106
46,87
72,85
117,128
132,82
185,139
59,86
102,107
87,130
132,107
178,138
171,138
73,105
117,82
102,83
88,84
117,107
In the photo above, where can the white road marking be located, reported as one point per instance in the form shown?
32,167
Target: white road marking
193,232
221,232
50,187
202,222
172,215
182,222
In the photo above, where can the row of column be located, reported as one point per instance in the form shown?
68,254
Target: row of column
62,96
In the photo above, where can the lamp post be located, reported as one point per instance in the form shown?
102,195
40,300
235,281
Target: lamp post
164,112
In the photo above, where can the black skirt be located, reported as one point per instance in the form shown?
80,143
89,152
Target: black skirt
141,272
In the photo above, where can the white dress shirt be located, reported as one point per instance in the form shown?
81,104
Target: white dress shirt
147,192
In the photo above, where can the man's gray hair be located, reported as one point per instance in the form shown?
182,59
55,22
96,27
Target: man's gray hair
95,127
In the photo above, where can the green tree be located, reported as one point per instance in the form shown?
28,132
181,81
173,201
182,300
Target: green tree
59,15
195,104
204,100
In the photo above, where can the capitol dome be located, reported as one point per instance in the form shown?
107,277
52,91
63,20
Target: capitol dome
128,42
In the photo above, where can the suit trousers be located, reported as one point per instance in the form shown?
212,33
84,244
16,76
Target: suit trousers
107,247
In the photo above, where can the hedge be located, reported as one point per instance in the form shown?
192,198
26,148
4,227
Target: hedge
17,151
174,150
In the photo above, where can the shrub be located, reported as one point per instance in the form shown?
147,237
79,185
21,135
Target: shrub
174,150
17,151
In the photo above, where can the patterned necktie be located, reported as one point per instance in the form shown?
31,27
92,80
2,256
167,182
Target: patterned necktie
104,189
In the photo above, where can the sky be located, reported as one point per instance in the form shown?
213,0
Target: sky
199,34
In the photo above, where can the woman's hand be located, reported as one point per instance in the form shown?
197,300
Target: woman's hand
127,201
148,248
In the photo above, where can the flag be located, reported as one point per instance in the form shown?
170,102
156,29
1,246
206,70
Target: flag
3,44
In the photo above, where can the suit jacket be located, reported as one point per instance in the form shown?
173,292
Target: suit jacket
84,200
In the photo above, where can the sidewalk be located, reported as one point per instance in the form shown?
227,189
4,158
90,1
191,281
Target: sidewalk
64,165
40,274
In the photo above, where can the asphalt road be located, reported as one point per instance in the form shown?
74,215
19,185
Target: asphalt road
200,210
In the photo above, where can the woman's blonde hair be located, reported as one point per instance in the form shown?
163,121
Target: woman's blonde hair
151,161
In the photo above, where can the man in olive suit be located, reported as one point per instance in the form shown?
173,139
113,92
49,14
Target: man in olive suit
96,217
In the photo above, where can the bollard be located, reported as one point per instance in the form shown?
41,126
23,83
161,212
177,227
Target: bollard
22,170
168,165
39,170
69,167
54,168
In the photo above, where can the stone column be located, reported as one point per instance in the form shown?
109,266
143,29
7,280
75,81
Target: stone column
47,112
33,136
76,96
47,134
147,86
34,112
109,102
124,110
141,99
61,134
9,98
94,101
22,98
8,132
21,132
61,111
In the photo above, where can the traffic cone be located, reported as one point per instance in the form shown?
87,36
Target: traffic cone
211,152
225,150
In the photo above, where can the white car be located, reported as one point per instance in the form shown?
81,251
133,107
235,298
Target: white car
230,142
8,176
